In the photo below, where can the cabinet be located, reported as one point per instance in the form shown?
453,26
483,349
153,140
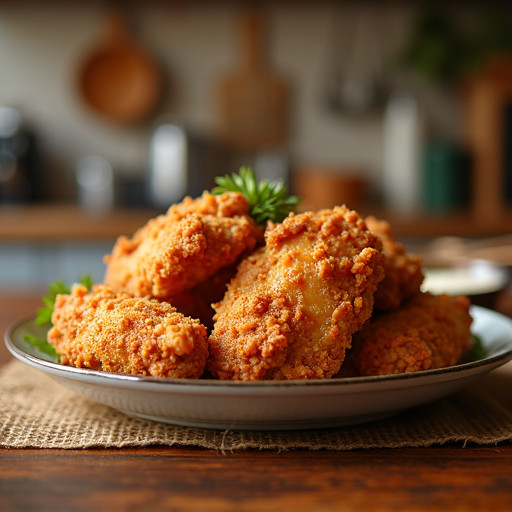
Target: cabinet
488,103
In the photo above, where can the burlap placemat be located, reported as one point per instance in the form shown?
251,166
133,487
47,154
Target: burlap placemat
36,412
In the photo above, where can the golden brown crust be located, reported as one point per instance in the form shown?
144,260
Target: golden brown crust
115,332
229,204
428,331
198,301
403,273
190,243
292,308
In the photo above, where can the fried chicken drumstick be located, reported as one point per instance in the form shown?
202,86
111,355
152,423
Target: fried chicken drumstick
291,310
114,332
428,331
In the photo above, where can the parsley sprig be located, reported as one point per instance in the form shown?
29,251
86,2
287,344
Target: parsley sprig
476,351
44,314
269,200
43,346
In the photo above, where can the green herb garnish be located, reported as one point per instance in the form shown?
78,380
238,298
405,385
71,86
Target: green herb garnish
269,200
86,280
43,346
44,314
476,352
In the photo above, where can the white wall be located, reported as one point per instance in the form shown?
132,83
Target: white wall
41,46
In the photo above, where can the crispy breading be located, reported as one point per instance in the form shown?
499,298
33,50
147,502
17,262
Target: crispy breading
291,310
198,301
229,204
403,273
428,331
174,252
114,332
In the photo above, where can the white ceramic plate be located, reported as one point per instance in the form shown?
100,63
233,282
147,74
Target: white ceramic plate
283,405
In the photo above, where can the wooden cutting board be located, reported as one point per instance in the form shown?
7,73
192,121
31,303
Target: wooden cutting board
252,99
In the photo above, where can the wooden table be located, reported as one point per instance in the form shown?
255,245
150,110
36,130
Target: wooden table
178,479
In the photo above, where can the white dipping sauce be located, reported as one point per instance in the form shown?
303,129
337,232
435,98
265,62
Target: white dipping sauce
473,280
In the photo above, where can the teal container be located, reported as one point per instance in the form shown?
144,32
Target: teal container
446,179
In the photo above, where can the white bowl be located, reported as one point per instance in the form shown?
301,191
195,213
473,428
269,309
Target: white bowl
482,281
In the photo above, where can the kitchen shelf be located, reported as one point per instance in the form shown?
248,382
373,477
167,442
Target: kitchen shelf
430,225
62,222
49,223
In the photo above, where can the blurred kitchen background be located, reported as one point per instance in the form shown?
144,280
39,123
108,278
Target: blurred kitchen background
109,112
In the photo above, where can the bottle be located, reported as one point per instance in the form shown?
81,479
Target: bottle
401,163
17,171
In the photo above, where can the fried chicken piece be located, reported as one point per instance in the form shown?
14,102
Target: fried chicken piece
176,251
293,306
428,331
229,204
403,273
198,301
114,332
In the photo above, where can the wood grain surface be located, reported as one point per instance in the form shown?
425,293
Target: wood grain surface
67,223
180,479
188,479
252,98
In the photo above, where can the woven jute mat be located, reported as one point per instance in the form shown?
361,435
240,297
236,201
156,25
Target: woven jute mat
36,412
